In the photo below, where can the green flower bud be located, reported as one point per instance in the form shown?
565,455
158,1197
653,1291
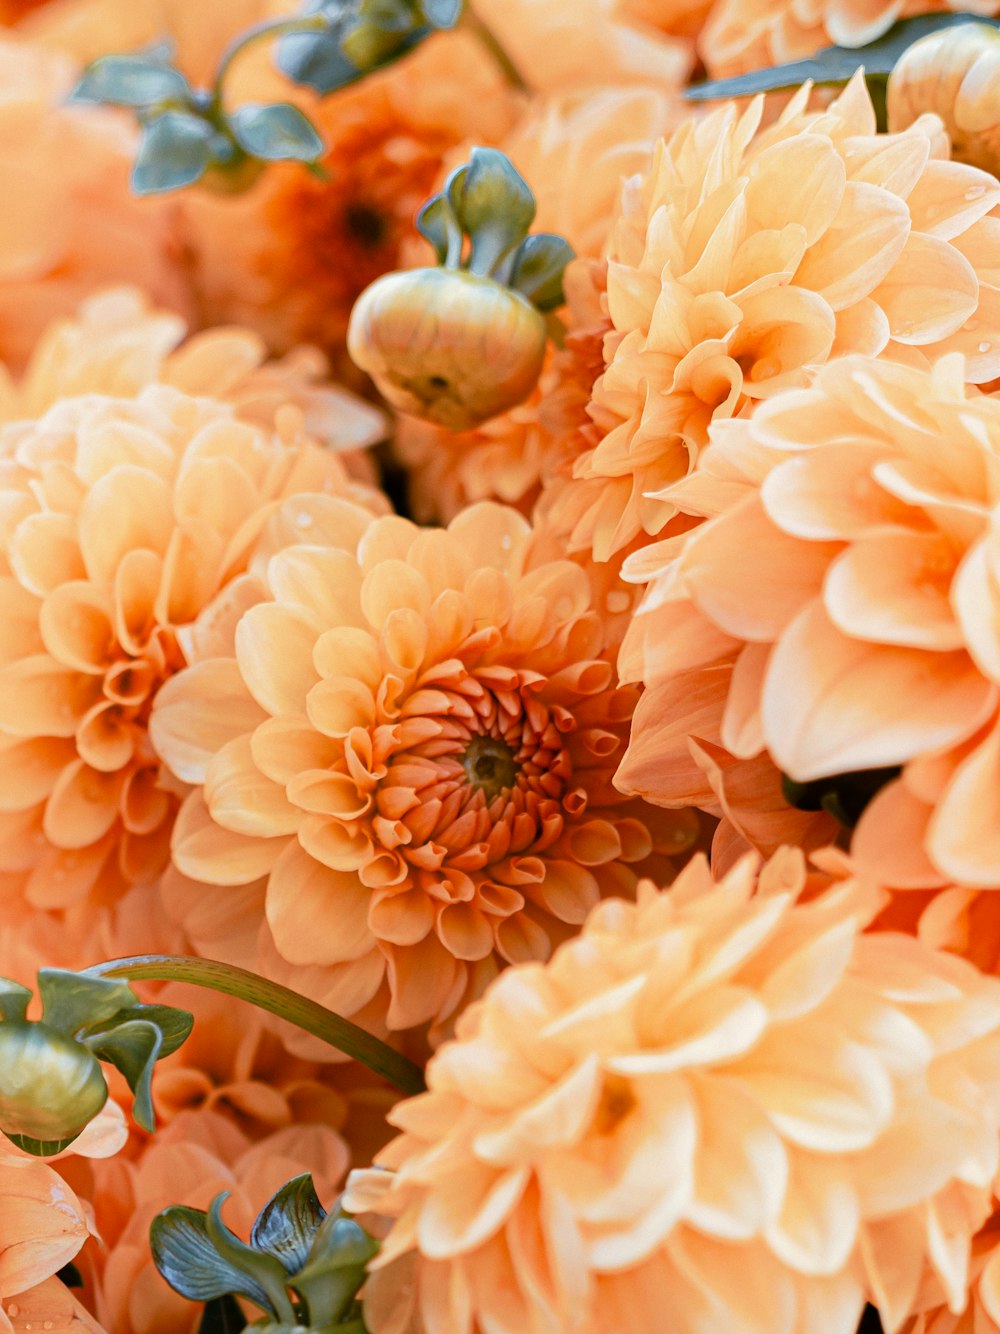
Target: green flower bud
447,345
51,1087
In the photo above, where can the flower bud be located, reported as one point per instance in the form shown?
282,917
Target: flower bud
954,72
51,1087
447,345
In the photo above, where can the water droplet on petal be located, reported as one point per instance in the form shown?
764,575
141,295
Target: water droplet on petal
984,347
303,520
975,192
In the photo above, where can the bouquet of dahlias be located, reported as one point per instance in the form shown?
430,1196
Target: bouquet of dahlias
499,667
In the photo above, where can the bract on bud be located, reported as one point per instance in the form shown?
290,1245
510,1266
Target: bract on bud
51,1087
447,345
954,72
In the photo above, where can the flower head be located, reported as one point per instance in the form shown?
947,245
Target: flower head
125,517
746,257
76,225
713,1098
848,561
422,769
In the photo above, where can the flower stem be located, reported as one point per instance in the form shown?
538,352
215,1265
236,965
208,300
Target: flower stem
268,28
492,43
275,998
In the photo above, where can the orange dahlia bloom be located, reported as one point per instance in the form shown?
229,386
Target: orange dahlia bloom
843,593
742,35
746,257
416,749
727,1098
72,223
290,257
573,44
123,519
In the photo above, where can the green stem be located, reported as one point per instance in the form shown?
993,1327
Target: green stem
492,43
276,999
268,28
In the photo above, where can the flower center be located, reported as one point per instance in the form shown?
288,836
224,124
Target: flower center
617,1101
490,765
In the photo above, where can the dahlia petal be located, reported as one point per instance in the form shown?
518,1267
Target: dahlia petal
401,918
890,842
859,248
803,178
316,915
105,739
799,499
421,978
127,509
278,681
805,978
829,1099
741,1167
822,701
714,1026
19,615
975,594
43,1224
192,569
816,1230
41,697
337,704
347,650
326,793
198,712
82,807
136,587
782,328
947,199
560,1117
930,292
568,891
284,746
658,765
729,558
75,625
44,552
323,584
963,837
465,931
29,769
242,799
205,851
894,588
390,585
61,878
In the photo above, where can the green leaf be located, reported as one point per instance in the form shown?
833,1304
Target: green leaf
222,1315
131,81
132,1048
174,151
72,1002
329,1282
202,1260
40,1148
834,64
537,271
287,1224
315,60
13,999
436,222
493,204
276,132
442,13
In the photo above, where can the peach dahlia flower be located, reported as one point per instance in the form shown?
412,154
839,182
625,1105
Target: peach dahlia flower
746,257
414,742
70,223
725,1102
742,35
843,592
123,518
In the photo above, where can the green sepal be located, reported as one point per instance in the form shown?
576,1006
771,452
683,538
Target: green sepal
175,150
538,267
442,14
14,1000
276,133
185,1245
72,1002
834,64
436,222
328,1283
133,1041
315,60
493,204
131,81
287,1224
41,1148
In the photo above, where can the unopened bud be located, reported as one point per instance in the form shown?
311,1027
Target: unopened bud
51,1087
954,72
448,345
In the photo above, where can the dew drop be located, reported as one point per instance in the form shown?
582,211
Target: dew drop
47,1324
13,1309
984,347
303,520
969,325
505,541
975,192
